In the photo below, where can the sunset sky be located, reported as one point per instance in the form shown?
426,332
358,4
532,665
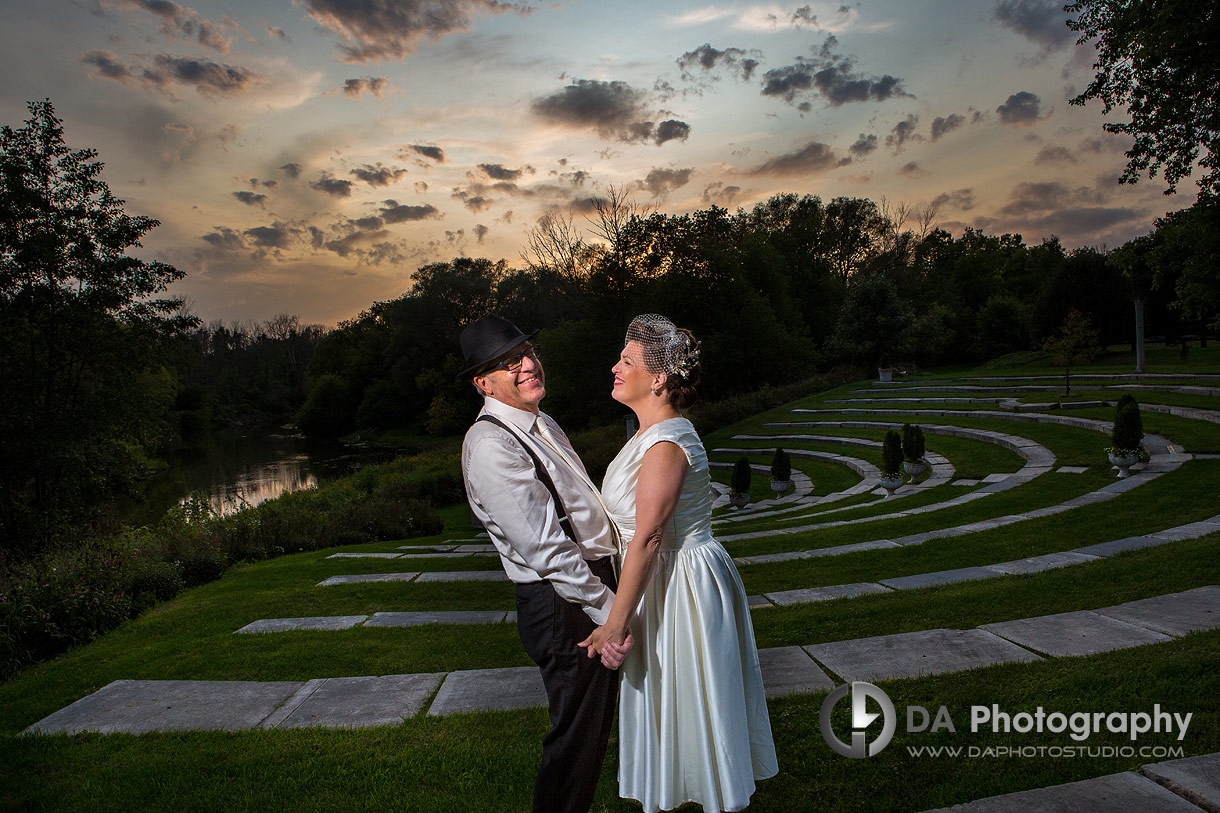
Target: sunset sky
306,156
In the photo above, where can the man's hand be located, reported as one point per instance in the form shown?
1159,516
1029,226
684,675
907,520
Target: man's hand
610,646
613,654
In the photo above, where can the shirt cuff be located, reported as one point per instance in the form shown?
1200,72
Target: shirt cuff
601,613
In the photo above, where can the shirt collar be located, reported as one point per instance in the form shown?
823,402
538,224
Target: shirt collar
519,418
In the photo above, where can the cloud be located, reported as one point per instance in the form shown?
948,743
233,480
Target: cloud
395,212
165,72
614,109
766,18
480,231
377,175
390,29
335,187
958,199
830,75
293,170
660,182
945,124
1051,154
717,193
178,22
903,132
355,88
251,198
705,58
1040,21
275,32
225,239
274,236
1022,109
1030,197
813,157
473,201
912,170
499,172
863,146
434,153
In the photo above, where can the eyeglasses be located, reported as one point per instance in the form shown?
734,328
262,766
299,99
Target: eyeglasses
513,363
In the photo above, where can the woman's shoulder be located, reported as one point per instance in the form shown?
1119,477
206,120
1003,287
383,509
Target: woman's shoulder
679,431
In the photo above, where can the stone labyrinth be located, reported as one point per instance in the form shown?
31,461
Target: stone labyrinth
1003,460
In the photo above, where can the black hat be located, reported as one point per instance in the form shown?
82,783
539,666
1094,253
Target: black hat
488,339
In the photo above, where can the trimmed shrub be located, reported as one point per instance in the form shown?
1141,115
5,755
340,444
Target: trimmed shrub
781,466
913,445
891,453
740,481
1128,429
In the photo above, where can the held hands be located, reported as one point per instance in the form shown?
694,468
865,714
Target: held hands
611,646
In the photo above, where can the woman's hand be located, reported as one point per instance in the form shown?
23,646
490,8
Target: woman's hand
612,644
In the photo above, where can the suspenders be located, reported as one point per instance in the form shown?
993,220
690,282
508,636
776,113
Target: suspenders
545,478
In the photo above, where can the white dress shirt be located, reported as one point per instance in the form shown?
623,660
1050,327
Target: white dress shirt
519,514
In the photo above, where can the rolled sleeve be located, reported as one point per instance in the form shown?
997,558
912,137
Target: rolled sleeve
504,490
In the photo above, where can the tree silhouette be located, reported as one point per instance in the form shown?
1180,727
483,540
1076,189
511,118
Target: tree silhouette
1076,343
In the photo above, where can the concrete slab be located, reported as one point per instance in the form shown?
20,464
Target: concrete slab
965,481
1192,531
960,574
324,622
910,654
364,556
758,601
1072,469
1077,633
809,594
1196,779
996,478
463,576
451,554
1048,561
1120,545
789,670
139,706
1105,794
1174,614
360,702
516,687
427,548
367,578
416,619
484,548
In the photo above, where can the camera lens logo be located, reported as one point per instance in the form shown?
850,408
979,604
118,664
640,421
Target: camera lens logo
861,719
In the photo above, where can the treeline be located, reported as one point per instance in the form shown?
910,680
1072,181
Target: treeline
791,287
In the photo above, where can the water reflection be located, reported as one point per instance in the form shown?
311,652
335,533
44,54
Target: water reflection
240,469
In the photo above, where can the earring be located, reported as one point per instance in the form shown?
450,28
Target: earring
656,392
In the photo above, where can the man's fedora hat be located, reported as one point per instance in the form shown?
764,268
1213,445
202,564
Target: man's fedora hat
486,340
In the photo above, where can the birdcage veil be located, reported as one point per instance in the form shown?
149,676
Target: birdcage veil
665,347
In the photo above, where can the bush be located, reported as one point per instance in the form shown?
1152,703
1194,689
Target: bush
781,466
740,481
913,445
891,454
1128,429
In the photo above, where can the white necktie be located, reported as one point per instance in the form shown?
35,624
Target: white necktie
548,437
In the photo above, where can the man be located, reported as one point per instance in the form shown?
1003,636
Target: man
527,486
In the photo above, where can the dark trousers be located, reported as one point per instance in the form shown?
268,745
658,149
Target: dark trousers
581,693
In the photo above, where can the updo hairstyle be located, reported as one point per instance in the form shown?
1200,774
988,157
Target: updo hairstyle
671,350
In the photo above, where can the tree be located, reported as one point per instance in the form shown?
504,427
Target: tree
1157,58
1076,343
86,393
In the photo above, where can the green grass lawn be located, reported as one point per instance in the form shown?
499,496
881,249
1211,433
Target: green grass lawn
486,761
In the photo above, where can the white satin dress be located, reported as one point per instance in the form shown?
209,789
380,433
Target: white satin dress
693,723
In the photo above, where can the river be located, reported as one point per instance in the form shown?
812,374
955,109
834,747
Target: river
247,467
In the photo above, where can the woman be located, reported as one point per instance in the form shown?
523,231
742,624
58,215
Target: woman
693,722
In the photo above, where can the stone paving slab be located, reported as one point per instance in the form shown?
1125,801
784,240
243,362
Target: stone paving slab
367,578
1119,545
140,706
995,478
789,670
416,619
1047,561
357,702
960,574
325,622
515,687
965,481
364,556
1072,469
1077,633
1174,614
483,548
758,601
808,594
427,548
1105,794
463,576
1196,779
453,554
910,654
1193,530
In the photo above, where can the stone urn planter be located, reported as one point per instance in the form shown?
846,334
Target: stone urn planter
914,467
1124,462
885,374
891,483
780,486
739,499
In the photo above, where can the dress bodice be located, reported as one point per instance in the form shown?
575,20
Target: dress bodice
691,522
